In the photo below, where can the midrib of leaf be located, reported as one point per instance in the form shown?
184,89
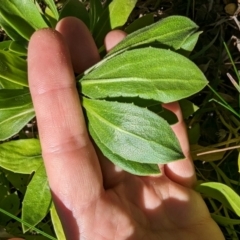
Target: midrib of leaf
119,129
13,97
16,82
20,114
15,107
128,79
153,82
10,24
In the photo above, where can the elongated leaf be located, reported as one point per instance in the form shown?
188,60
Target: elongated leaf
16,110
140,23
190,42
133,133
150,104
171,32
222,193
52,6
13,69
225,221
149,73
76,9
95,11
21,156
57,224
21,18
140,169
5,45
11,32
18,48
114,16
37,200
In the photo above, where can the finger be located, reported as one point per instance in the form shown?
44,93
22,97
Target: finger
70,28
113,38
182,171
83,50
69,156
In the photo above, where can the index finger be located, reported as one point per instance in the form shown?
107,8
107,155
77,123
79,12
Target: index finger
69,156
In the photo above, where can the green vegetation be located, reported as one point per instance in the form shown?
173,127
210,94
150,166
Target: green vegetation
212,115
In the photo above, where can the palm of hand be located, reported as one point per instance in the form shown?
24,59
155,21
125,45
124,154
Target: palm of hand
93,199
146,208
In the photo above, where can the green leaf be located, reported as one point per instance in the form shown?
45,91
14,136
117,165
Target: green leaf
16,110
114,16
140,23
94,12
10,204
19,48
151,105
13,69
222,193
190,42
131,132
20,18
149,73
225,221
167,115
76,9
21,156
188,108
19,181
57,223
37,199
140,169
5,45
52,6
172,32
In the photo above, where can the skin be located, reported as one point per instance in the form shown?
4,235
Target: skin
94,199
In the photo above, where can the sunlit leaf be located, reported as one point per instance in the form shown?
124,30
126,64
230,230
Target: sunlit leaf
222,193
114,16
16,110
133,133
13,69
37,199
57,223
20,18
149,73
21,156
173,32
140,169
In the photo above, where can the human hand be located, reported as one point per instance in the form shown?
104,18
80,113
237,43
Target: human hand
95,199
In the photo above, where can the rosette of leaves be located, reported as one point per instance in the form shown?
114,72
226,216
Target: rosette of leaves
121,95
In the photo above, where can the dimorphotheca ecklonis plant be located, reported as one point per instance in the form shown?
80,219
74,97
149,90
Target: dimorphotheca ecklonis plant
121,95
